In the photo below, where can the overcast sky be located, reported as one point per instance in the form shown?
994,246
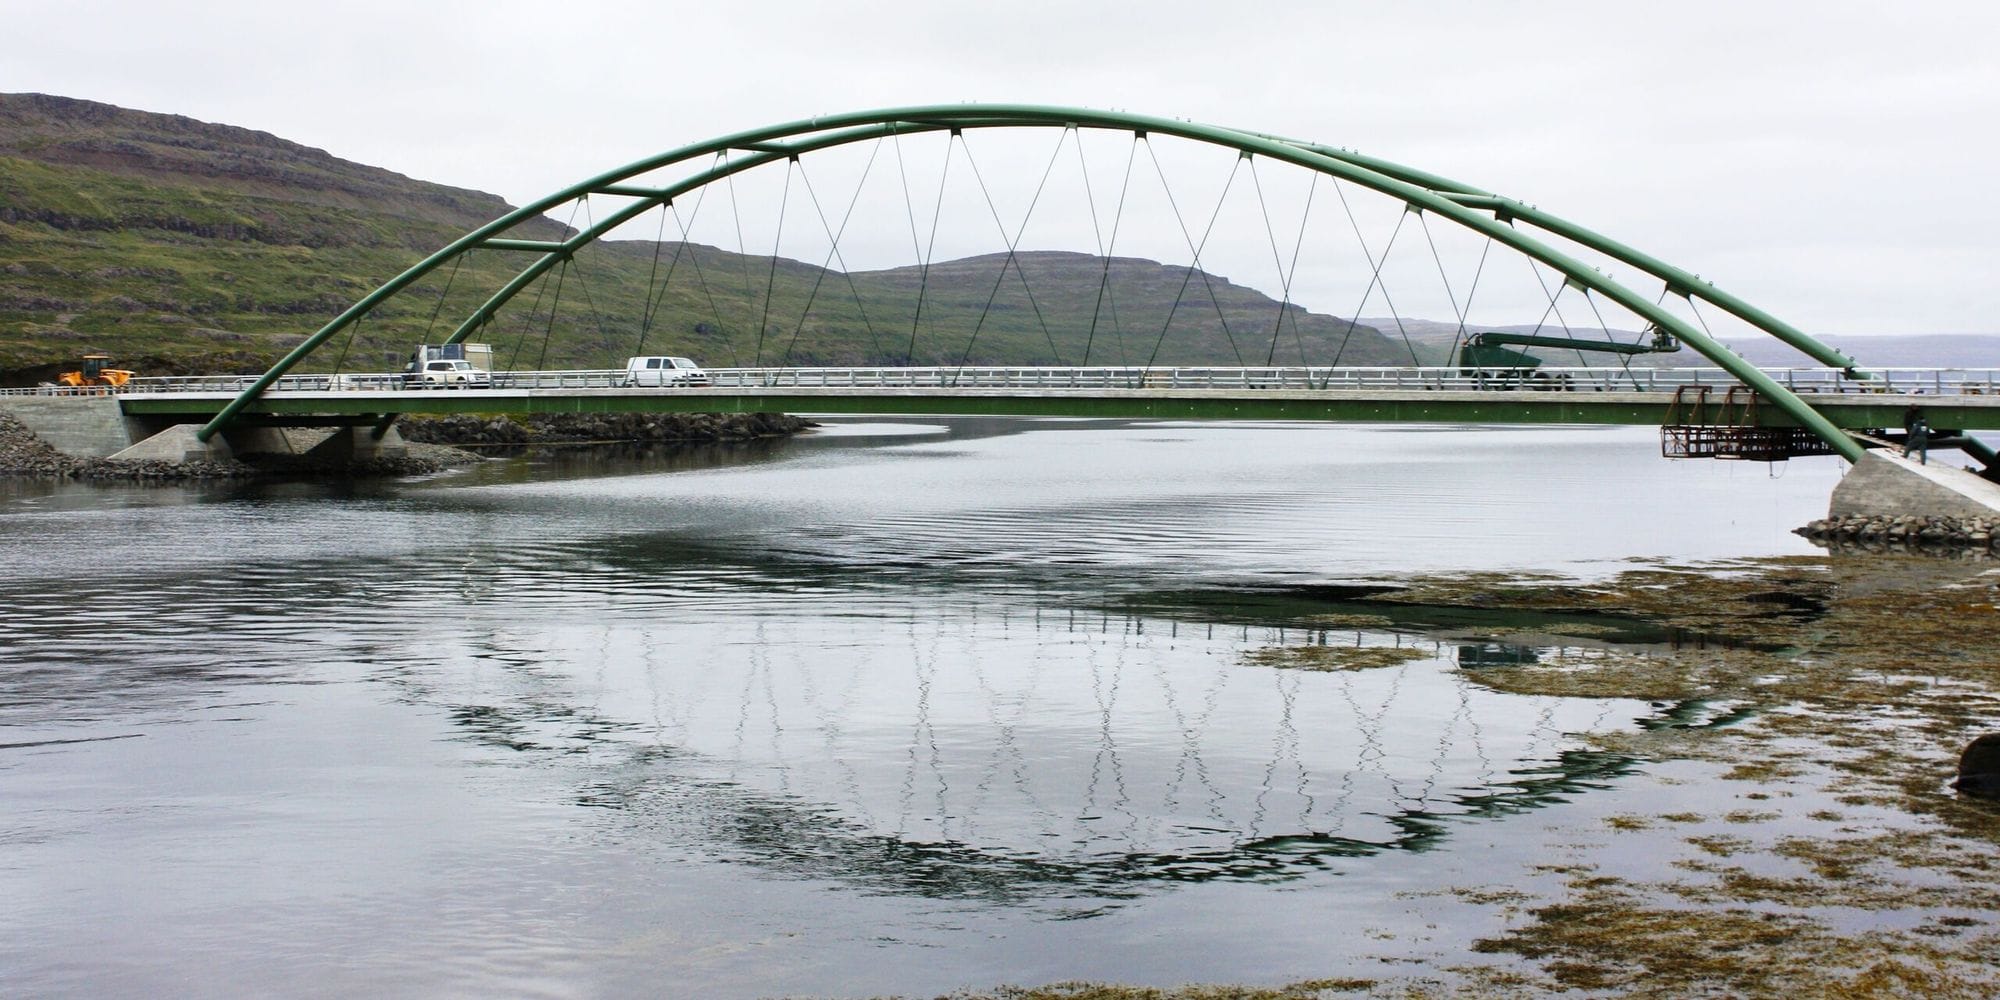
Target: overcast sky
1832,162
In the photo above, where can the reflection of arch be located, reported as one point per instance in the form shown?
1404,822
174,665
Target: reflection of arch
801,839
519,703
822,828
1467,206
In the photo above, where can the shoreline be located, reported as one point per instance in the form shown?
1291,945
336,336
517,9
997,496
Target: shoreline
1796,833
431,445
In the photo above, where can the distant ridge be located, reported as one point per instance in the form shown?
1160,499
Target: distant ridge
1920,350
1434,339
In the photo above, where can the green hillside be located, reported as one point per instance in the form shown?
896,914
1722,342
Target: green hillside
184,246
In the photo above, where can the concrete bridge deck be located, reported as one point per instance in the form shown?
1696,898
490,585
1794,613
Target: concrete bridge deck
1337,405
1966,399
1961,399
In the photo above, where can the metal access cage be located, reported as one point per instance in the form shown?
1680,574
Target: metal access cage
1728,429
1751,444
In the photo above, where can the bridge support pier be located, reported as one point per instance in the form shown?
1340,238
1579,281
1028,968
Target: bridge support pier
1884,484
358,444
178,443
261,441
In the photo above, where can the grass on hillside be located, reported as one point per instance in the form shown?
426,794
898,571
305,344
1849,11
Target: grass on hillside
174,274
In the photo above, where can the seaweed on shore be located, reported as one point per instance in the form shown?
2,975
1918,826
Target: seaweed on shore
1817,705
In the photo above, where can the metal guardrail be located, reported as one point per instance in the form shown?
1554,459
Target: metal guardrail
1928,381
1806,381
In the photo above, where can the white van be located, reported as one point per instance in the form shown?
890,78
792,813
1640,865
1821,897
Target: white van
458,374
663,371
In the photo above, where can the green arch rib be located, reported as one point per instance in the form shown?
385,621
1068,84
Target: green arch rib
1471,208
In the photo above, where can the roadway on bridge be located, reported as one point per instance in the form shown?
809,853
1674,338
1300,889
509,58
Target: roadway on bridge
1948,398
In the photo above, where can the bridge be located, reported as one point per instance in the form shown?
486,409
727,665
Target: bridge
1574,271
1703,412
1968,398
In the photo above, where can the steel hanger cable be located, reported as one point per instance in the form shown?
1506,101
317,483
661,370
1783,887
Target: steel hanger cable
1012,244
924,275
777,243
1195,249
1107,249
1374,280
834,255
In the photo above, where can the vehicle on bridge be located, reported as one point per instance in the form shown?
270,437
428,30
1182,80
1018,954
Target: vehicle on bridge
479,355
456,374
660,371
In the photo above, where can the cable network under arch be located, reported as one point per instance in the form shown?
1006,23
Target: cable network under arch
1474,209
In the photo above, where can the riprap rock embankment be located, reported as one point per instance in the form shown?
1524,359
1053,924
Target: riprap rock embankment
557,428
1911,531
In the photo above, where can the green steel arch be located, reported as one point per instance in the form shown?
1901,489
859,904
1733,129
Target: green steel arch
1480,211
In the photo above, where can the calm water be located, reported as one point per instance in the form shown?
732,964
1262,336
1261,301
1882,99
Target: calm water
892,708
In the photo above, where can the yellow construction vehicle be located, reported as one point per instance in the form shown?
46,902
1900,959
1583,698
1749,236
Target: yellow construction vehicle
96,371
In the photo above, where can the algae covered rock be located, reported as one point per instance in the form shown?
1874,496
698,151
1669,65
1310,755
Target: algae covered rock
1979,767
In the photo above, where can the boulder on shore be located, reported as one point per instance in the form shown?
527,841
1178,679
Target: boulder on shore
1979,767
1974,535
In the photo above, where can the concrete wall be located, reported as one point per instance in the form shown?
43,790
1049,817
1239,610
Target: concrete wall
1884,484
85,426
96,427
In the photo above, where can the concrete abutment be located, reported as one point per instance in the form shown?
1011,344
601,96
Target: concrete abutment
83,426
1887,485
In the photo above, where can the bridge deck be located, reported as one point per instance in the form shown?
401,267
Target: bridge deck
1966,399
1847,410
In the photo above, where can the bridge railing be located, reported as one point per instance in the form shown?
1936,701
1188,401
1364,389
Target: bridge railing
352,382
582,379
1806,381
219,383
1929,381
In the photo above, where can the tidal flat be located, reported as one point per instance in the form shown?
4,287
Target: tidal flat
1818,708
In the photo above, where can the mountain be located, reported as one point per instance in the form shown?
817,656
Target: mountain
180,245
1928,350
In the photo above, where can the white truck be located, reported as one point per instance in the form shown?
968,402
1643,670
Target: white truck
450,365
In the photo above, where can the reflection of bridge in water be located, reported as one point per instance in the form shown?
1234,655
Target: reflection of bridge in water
987,724
1000,748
